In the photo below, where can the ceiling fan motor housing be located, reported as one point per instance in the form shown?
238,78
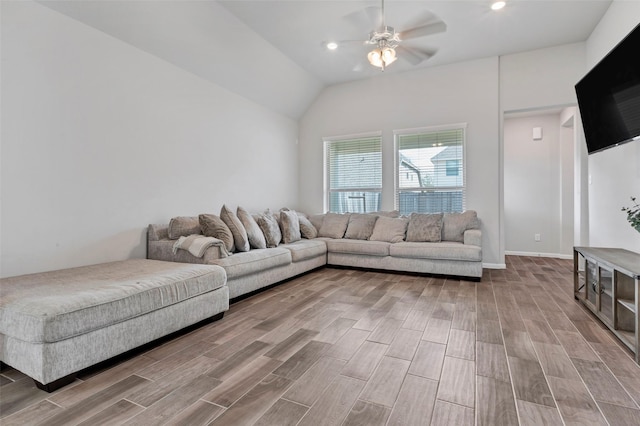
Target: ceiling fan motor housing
386,37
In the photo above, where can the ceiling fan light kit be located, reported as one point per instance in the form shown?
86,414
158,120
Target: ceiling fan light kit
386,41
381,57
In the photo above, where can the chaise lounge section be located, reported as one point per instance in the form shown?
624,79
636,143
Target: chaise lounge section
54,324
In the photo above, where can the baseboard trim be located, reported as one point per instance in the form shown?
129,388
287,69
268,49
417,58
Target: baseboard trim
494,265
532,254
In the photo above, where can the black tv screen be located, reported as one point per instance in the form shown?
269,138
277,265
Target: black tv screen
609,96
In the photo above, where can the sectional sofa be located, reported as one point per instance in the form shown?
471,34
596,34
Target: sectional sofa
441,244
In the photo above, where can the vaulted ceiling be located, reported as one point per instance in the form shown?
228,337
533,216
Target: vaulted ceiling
273,51
299,28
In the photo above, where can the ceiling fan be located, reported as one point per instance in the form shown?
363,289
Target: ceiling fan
388,42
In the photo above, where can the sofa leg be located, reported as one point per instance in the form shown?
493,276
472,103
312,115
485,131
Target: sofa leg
217,317
56,384
3,366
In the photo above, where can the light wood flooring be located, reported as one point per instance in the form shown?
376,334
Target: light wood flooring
350,347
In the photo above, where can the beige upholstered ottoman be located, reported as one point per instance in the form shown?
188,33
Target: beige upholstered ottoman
54,324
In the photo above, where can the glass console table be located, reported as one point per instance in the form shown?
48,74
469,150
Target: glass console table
606,280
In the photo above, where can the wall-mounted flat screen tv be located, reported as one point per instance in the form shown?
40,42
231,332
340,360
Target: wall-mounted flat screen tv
609,96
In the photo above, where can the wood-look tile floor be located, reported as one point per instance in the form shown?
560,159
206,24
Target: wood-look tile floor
350,347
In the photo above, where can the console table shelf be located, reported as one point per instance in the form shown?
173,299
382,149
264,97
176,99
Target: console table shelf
607,281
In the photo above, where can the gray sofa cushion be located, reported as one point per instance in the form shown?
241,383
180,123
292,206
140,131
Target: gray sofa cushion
454,225
290,226
390,213
183,226
437,251
306,249
334,225
424,227
240,239
254,233
57,305
213,226
360,226
317,220
371,248
392,230
254,261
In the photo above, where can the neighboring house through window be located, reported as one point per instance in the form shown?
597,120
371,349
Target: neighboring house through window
430,174
353,167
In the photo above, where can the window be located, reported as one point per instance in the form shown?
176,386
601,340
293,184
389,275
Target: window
353,173
453,167
430,169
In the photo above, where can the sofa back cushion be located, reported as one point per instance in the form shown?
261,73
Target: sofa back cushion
240,238
254,233
360,226
317,220
425,227
454,225
391,230
183,226
213,226
334,225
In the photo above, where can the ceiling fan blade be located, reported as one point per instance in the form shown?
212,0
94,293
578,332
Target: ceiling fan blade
365,19
424,30
413,55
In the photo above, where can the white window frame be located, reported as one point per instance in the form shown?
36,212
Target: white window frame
327,141
429,129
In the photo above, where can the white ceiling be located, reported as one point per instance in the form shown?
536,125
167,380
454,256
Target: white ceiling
272,51
298,28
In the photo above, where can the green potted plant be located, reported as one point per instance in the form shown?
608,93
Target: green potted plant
633,214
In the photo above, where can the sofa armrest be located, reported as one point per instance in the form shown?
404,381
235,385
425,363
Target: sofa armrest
163,250
473,237
157,232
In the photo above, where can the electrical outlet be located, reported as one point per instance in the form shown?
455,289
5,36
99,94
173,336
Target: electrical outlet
536,237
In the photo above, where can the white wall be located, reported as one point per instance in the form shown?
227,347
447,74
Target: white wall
614,173
459,93
100,139
537,176
541,78
240,61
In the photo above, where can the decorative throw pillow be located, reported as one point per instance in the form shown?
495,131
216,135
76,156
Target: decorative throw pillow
425,227
306,227
290,226
183,226
360,226
454,225
254,233
391,230
270,228
240,238
213,226
334,225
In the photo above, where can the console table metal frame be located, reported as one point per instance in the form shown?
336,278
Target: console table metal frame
613,293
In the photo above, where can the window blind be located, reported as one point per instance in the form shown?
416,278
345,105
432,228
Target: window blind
354,173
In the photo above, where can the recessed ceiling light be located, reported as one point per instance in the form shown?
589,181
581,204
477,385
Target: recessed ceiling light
497,5
332,45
